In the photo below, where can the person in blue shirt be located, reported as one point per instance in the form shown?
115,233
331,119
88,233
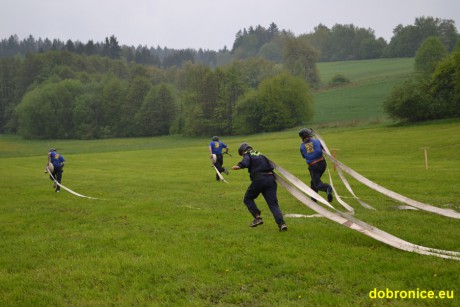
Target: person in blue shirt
262,182
215,148
58,163
312,151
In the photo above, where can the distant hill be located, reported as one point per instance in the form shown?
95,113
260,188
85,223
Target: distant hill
371,81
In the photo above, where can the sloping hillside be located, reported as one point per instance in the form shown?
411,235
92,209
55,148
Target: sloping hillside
361,100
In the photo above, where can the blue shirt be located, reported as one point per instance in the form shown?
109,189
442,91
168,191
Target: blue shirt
56,159
217,146
311,150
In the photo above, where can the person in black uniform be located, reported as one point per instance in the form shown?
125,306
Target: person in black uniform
262,181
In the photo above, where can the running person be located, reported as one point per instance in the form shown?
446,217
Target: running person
58,163
312,151
262,181
215,148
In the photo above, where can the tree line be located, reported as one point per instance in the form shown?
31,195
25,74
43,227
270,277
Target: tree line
59,94
162,57
341,42
63,93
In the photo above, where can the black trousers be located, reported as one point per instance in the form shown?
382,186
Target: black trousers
265,185
57,174
316,172
219,164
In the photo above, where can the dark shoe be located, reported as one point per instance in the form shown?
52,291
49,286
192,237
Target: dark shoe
329,194
257,221
226,171
283,227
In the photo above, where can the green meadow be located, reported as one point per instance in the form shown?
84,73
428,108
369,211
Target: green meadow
164,232
359,101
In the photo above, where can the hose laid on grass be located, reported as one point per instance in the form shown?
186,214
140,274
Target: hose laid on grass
396,196
300,184
342,177
65,188
347,185
338,198
362,227
309,191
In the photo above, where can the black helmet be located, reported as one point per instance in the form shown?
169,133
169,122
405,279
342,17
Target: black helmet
305,133
215,138
243,147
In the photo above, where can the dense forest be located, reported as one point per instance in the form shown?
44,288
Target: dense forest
340,43
55,89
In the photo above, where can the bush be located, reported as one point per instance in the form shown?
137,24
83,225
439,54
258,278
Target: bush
410,102
46,111
280,102
430,96
339,79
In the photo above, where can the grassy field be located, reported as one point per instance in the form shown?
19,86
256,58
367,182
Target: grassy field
163,232
361,100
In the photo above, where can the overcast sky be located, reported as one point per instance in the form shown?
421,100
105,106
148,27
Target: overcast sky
207,24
